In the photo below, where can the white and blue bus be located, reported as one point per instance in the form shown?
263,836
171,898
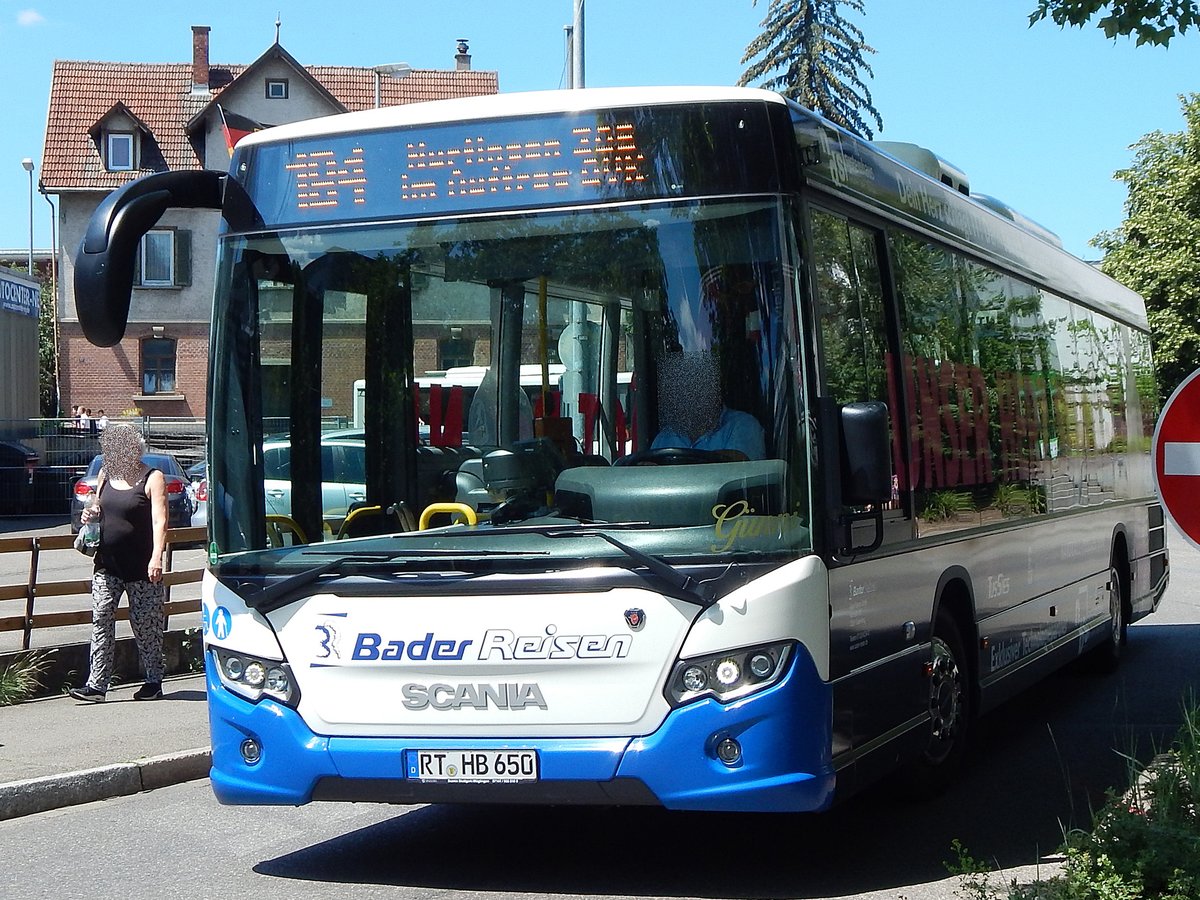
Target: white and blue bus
826,457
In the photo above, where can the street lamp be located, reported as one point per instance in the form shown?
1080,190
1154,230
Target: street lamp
396,70
27,164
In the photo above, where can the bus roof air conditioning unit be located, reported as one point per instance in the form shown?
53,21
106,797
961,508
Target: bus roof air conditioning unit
928,162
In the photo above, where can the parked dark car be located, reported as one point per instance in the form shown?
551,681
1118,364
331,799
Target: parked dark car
17,464
179,501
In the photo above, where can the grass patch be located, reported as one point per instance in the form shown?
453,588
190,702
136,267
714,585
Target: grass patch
21,678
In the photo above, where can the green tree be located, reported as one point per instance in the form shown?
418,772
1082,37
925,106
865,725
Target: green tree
807,51
1153,21
1154,251
47,355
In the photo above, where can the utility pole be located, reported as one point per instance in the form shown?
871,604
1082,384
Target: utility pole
577,80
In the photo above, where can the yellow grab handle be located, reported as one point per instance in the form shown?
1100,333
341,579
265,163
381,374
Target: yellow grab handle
454,509
276,525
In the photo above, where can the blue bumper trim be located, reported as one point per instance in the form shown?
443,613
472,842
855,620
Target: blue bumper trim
784,732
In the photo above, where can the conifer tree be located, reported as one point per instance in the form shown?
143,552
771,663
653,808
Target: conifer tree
808,52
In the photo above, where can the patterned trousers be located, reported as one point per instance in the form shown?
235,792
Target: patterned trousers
146,615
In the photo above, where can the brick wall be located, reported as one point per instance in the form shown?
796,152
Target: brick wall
110,378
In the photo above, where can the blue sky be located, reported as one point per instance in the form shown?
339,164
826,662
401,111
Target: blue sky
1038,117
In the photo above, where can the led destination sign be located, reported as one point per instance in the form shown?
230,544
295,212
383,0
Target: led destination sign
596,155
544,160
593,157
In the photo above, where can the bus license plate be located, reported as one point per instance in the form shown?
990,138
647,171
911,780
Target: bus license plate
471,765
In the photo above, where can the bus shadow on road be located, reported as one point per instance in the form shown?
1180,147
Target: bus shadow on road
1041,763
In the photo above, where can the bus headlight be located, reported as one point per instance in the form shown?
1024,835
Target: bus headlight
729,675
254,678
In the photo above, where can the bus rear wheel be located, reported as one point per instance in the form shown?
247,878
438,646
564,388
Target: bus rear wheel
1107,656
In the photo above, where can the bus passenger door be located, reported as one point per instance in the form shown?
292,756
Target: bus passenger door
873,621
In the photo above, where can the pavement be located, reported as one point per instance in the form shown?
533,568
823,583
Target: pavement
59,751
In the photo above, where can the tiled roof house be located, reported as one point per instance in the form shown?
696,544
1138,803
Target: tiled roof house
111,122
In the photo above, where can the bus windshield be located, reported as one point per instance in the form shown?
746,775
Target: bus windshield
458,387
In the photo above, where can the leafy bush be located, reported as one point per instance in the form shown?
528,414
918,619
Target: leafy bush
1144,843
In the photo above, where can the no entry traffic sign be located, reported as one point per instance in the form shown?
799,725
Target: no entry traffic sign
1177,457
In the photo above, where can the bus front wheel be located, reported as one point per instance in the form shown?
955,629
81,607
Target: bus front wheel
949,708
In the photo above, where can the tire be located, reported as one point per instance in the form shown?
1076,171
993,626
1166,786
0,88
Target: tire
1106,658
950,709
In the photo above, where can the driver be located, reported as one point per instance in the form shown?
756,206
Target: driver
691,412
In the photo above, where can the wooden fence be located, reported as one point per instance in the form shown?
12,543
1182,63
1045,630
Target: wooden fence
33,588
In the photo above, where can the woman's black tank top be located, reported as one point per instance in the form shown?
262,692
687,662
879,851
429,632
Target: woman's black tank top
126,531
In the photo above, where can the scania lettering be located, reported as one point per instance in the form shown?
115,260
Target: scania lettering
704,456
479,696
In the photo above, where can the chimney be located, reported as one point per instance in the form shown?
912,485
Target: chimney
200,59
462,61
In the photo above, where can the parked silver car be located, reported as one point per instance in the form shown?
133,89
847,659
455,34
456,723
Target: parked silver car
179,501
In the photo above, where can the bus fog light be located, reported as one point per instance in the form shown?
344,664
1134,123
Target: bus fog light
694,678
761,665
729,751
234,667
251,751
728,672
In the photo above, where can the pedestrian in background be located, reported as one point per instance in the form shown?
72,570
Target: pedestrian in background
132,510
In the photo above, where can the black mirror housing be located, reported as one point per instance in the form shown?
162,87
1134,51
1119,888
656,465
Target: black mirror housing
866,454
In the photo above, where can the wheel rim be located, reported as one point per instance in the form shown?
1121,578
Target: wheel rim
945,701
1116,609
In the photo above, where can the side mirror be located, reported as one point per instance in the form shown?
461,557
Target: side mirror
866,470
866,454
105,261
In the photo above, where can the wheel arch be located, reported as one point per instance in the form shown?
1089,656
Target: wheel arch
956,595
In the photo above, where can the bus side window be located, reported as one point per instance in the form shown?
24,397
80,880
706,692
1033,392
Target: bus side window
851,311
850,308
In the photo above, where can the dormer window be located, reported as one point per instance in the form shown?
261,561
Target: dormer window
277,88
119,151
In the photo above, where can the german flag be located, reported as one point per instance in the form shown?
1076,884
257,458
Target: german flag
236,127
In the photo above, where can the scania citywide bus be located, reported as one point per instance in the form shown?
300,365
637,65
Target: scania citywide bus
827,457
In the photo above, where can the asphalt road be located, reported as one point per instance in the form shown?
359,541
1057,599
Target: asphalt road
1041,764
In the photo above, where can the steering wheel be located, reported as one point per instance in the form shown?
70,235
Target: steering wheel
672,456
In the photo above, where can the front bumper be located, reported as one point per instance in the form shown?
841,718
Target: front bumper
784,732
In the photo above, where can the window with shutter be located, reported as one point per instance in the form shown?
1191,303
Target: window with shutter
158,366
158,259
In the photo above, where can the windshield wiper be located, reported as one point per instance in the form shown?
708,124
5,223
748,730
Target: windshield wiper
685,587
281,593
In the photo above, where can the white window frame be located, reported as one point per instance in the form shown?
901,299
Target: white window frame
112,141
169,281
277,88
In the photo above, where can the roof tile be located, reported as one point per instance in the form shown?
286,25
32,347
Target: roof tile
160,95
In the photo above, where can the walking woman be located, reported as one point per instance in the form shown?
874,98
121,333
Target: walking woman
132,501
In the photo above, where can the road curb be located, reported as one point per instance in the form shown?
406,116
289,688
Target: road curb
35,795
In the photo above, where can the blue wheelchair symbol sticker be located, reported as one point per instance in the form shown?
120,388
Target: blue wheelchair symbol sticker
204,620
222,623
